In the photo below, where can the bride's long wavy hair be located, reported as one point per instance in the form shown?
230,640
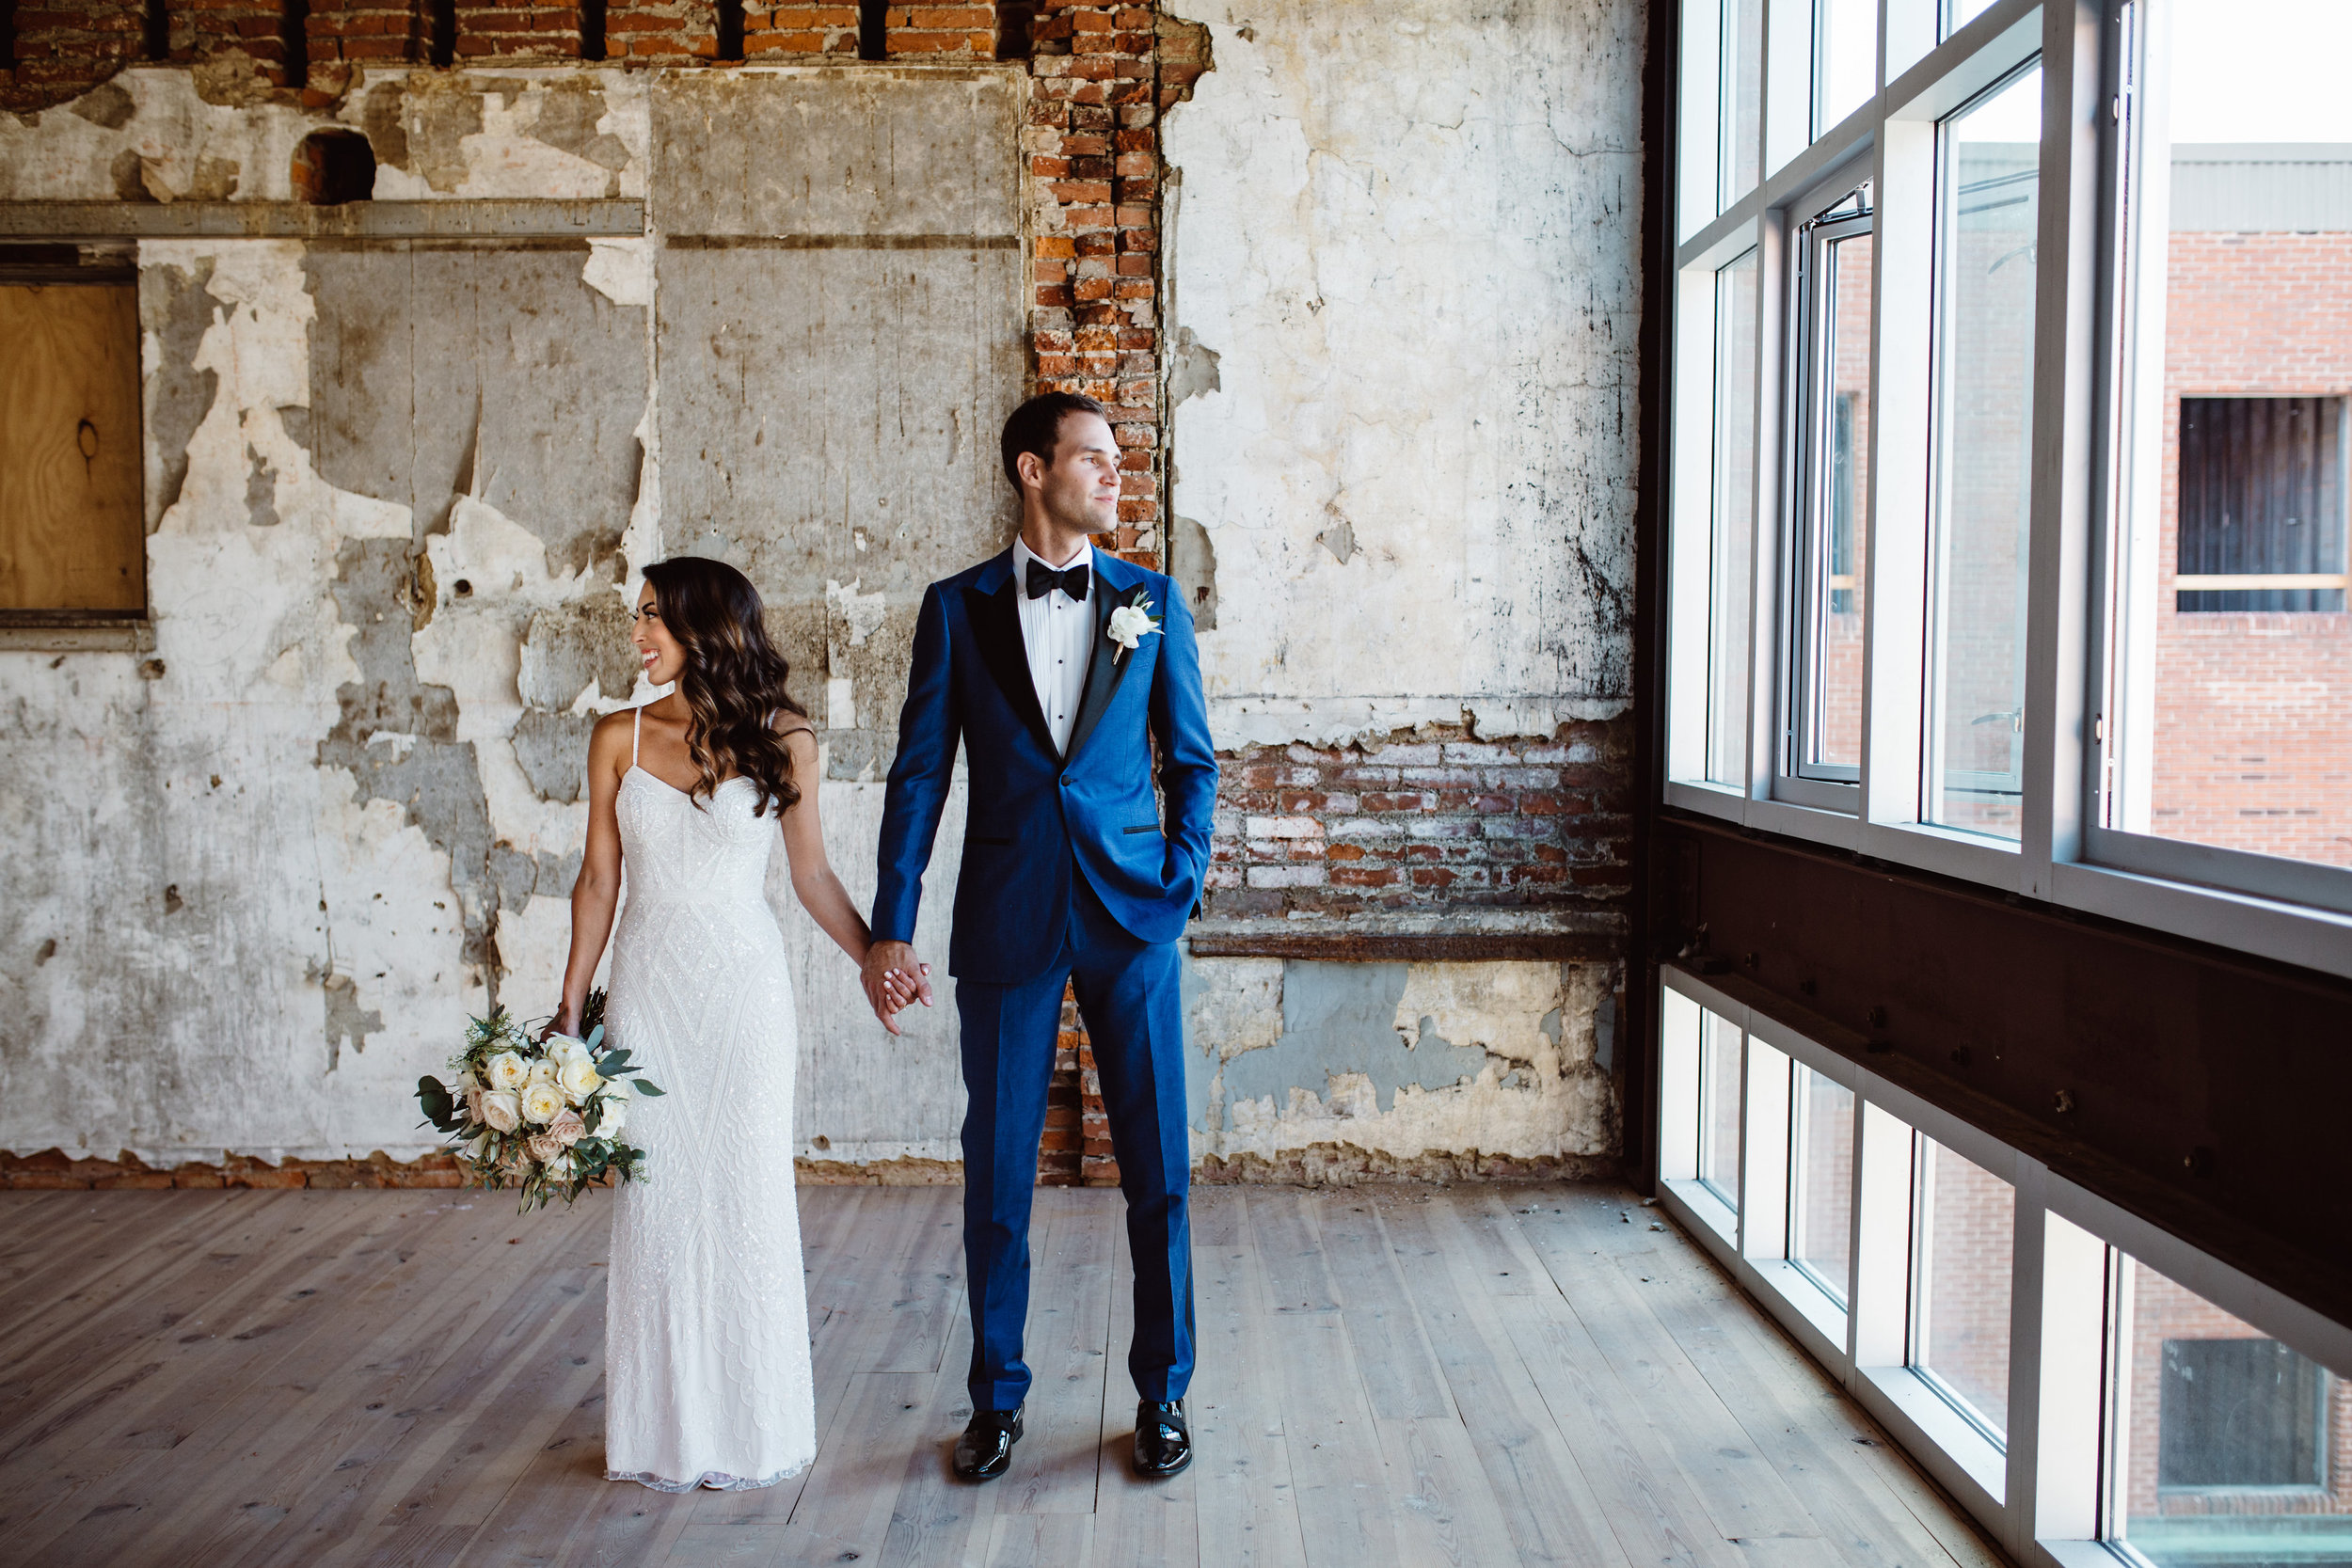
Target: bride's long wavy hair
734,679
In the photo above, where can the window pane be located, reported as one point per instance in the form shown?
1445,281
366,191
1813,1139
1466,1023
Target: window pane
1729,590
1984,419
1719,1107
1846,63
1741,98
2226,1439
1827,742
1959,13
1820,1210
1960,1337
2237,680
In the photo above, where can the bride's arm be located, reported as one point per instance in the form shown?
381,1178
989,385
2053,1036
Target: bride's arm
598,888
820,891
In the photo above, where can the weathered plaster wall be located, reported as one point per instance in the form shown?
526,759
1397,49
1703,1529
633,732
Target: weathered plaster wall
398,494
1404,276
1403,285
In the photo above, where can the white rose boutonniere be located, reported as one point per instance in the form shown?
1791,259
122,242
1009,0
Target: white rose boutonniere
1130,625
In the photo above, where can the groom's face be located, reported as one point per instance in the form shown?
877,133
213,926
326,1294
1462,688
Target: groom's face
1080,487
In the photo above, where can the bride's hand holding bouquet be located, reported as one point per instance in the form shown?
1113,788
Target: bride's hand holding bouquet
545,1115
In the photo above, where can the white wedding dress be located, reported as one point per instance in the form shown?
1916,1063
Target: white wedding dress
706,1357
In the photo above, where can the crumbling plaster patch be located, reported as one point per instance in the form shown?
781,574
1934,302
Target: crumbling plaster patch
1401,1060
1413,243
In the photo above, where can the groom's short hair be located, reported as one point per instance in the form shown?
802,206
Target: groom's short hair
1035,426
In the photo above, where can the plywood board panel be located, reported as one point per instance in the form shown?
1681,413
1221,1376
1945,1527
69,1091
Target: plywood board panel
71,531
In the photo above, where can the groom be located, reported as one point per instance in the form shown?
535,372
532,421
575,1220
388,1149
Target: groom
1070,677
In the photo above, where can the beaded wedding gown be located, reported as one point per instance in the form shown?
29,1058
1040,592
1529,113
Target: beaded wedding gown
706,1357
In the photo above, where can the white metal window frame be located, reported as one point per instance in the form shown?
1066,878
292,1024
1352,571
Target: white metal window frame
2038,1495
2294,912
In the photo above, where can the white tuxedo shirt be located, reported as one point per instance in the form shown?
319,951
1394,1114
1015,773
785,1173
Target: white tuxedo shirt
1058,633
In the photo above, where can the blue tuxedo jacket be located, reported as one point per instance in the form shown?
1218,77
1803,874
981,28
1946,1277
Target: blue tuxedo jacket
1036,814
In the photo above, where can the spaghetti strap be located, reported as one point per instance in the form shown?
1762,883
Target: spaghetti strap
636,728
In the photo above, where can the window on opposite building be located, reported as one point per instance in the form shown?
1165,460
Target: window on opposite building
2261,504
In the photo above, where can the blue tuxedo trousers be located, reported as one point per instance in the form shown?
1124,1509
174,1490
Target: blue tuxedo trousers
1128,996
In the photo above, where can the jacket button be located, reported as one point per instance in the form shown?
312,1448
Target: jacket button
1065,780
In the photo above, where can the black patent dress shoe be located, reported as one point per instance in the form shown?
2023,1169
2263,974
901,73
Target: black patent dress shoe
1163,1440
985,1449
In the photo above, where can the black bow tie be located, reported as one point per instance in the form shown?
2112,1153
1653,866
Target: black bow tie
1044,580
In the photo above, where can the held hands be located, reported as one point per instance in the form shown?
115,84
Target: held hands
895,981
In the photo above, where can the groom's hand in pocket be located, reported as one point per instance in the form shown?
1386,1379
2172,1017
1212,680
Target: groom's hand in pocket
895,979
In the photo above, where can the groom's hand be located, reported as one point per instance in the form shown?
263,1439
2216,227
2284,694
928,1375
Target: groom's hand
892,979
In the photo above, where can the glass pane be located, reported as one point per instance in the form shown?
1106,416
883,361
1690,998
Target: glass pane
2226,1439
1820,1210
1959,13
2238,670
1741,98
1719,1107
1967,1219
1984,419
1729,590
1829,742
1846,63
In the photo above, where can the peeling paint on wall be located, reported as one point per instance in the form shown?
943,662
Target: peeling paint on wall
1412,244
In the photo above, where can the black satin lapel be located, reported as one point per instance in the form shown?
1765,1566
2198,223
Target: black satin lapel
997,626
1105,669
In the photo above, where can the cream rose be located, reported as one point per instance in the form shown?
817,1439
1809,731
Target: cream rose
542,1101
542,1072
505,1073
544,1147
568,1129
502,1111
577,1077
473,1103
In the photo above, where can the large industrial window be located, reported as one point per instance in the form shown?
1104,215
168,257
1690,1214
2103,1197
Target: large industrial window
2261,504
2043,333
1822,735
2034,1347
2223,710
72,540
1989,188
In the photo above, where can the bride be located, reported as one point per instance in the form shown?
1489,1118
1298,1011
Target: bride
708,1380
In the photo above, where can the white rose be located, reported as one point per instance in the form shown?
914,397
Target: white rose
577,1079
505,1073
542,1103
1130,625
500,1111
542,1072
563,1047
615,1116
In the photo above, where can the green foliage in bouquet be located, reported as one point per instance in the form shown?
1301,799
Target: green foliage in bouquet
542,1116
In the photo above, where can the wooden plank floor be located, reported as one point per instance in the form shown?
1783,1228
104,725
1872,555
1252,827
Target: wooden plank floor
1390,1378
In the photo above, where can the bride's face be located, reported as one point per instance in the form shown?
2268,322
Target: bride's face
656,648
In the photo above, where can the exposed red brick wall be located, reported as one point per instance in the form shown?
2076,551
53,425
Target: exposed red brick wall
934,32
360,32
672,32
66,47
1425,820
53,1169
800,29
517,29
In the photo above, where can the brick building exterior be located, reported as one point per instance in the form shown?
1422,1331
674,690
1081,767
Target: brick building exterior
2253,708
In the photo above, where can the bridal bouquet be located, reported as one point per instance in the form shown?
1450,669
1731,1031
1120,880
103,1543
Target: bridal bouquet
542,1116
